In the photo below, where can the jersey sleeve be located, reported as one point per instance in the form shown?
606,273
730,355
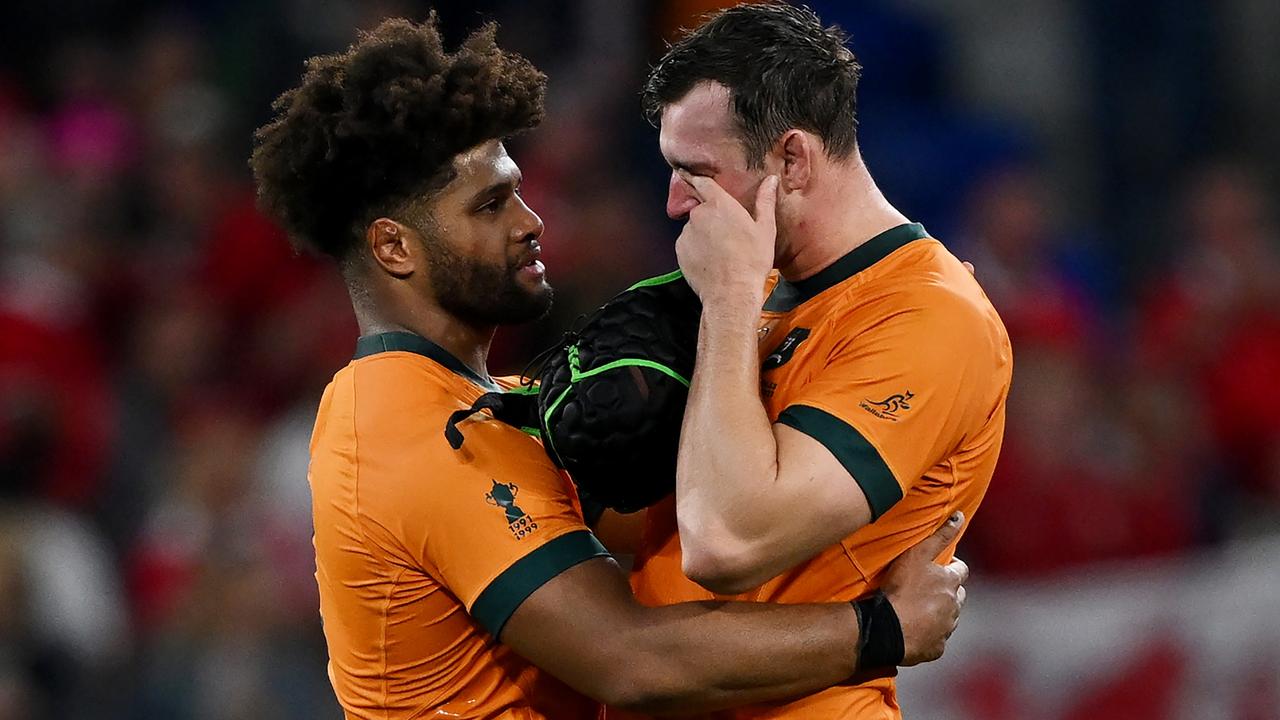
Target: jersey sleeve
894,400
494,520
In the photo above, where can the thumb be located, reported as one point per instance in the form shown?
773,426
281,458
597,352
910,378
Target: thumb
766,200
931,547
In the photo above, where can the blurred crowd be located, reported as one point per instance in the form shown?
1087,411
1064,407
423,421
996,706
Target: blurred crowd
163,348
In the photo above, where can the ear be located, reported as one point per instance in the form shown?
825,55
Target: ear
799,150
390,246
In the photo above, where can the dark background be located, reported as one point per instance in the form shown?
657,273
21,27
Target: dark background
1110,168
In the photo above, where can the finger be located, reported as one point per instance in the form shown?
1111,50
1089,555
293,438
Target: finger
689,180
961,594
681,244
959,568
932,546
766,201
969,266
704,188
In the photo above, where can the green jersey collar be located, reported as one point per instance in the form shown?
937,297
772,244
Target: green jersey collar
787,296
409,342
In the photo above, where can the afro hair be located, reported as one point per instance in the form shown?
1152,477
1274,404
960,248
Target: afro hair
373,127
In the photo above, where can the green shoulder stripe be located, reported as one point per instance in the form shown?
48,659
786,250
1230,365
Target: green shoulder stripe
855,453
501,598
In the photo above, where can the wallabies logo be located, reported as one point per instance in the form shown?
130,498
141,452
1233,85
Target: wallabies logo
503,495
889,408
785,349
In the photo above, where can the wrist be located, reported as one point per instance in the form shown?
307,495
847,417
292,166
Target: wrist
734,287
733,303
880,641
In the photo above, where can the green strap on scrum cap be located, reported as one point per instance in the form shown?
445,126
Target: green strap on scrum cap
576,374
660,280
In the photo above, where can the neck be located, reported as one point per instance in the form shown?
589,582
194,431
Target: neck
846,211
468,343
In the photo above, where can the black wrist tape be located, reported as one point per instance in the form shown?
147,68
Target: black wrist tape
880,643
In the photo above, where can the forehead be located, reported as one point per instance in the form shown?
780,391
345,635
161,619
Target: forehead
699,128
483,165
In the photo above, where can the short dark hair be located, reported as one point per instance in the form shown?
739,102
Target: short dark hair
783,70
375,126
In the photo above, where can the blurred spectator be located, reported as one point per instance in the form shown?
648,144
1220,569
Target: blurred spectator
1049,286
1089,472
1214,320
220,612
64,622
1098,451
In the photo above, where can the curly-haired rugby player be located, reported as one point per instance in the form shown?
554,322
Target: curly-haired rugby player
465,584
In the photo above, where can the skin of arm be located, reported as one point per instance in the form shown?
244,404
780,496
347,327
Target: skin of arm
752,498
584,627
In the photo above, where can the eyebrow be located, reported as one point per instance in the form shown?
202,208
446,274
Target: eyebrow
508,182
695,167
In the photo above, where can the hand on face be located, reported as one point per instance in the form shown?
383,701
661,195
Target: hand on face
724,252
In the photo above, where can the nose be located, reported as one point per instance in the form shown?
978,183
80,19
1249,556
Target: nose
530,226
680,198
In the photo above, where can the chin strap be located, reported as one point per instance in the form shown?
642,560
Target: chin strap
517,407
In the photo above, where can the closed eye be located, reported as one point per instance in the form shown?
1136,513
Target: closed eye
696,169
498,201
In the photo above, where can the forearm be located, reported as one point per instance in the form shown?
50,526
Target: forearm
728,455
705,656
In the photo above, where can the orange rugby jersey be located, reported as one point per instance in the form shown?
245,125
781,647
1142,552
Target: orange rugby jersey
894,359
424,552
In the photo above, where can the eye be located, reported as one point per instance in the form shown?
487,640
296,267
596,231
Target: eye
492,206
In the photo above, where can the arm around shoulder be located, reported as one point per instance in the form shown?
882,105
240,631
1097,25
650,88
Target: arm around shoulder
584,627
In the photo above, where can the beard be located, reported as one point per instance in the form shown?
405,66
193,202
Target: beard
482,293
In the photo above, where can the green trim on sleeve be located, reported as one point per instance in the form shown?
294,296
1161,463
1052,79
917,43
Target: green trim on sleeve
500,599
855,453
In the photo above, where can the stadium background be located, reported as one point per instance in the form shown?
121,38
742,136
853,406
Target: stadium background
1110,168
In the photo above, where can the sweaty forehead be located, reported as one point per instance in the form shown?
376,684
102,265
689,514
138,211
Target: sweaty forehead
699,129
484,164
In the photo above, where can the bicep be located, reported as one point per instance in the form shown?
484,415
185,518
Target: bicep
817,501
569,625
812,503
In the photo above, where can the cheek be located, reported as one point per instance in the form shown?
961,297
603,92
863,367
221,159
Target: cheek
479,238
741,188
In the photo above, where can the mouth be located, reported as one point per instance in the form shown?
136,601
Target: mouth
532,264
